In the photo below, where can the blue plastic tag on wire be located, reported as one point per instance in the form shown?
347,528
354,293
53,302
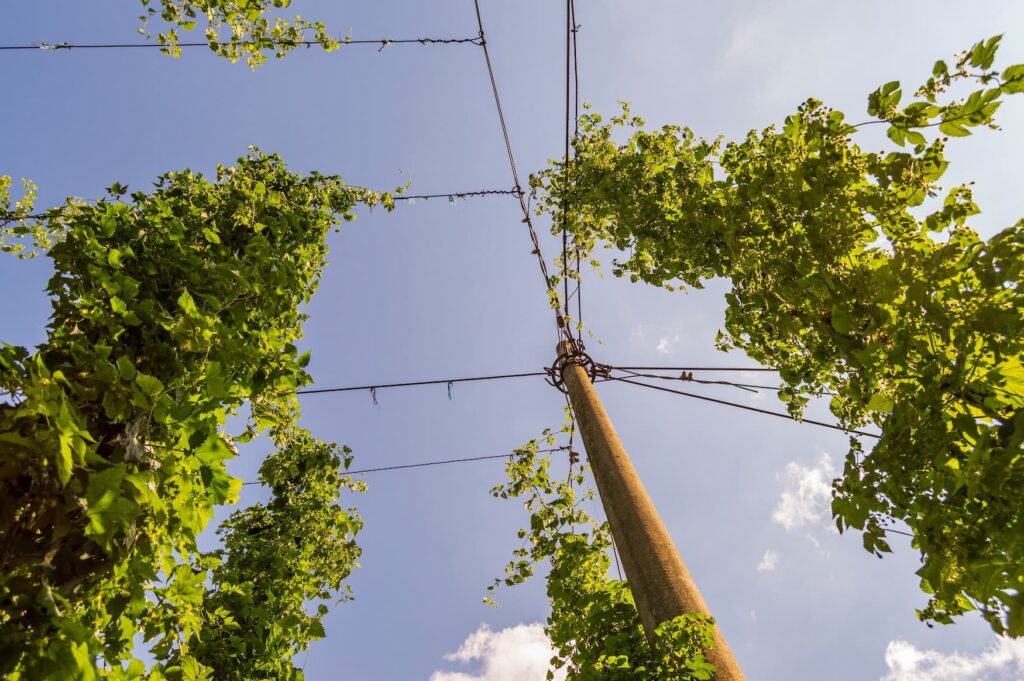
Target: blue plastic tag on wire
449,391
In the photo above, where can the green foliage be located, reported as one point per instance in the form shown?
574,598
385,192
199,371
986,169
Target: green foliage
236,29
277,558
594,625
851,275
170,311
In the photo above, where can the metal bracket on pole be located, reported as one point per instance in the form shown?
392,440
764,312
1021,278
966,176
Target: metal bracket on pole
577,354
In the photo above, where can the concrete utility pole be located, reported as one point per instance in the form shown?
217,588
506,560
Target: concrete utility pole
662,586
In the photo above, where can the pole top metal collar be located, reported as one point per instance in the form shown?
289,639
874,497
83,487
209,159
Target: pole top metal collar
572,352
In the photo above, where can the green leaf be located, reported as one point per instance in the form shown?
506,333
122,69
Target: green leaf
316,630
65,457
186,304
915,137
213,450
150,385
954,128
1013,79
842,320
125,368
984,52
880,402
109,510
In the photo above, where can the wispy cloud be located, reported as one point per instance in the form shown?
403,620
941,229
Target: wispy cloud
769,561
664,339
806,495
1002,661
519,653
667,344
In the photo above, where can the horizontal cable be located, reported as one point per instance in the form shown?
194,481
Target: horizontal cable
687,377
448,461
437,381
444,462
382,42
663,368
458,195
56,212
748,408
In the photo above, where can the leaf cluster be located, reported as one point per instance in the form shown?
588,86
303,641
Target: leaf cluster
277,559
171,310
852,273
236,29
594,625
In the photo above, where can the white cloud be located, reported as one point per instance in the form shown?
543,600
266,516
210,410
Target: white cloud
807,494
667,345
664,339
769,561
1002,661
519,653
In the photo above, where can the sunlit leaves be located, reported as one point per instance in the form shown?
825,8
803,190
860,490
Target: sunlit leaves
111,435
594,625
277,559
237,29
853,273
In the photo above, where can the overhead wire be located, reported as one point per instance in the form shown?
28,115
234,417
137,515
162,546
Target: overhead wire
758,410
576,133
687,377
56,212
565,232
406,384
382,42
573,30
665,368
560,323
427,464
565,207
631,375
572,75
572,84
456,195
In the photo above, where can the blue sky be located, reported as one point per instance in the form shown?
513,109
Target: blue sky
434,290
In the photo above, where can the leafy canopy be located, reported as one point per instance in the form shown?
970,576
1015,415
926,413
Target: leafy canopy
594,625
852,274
236,29
170,311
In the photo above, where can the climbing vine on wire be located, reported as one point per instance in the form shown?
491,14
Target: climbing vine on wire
594,625
852,274
278,558
237,29
170,310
